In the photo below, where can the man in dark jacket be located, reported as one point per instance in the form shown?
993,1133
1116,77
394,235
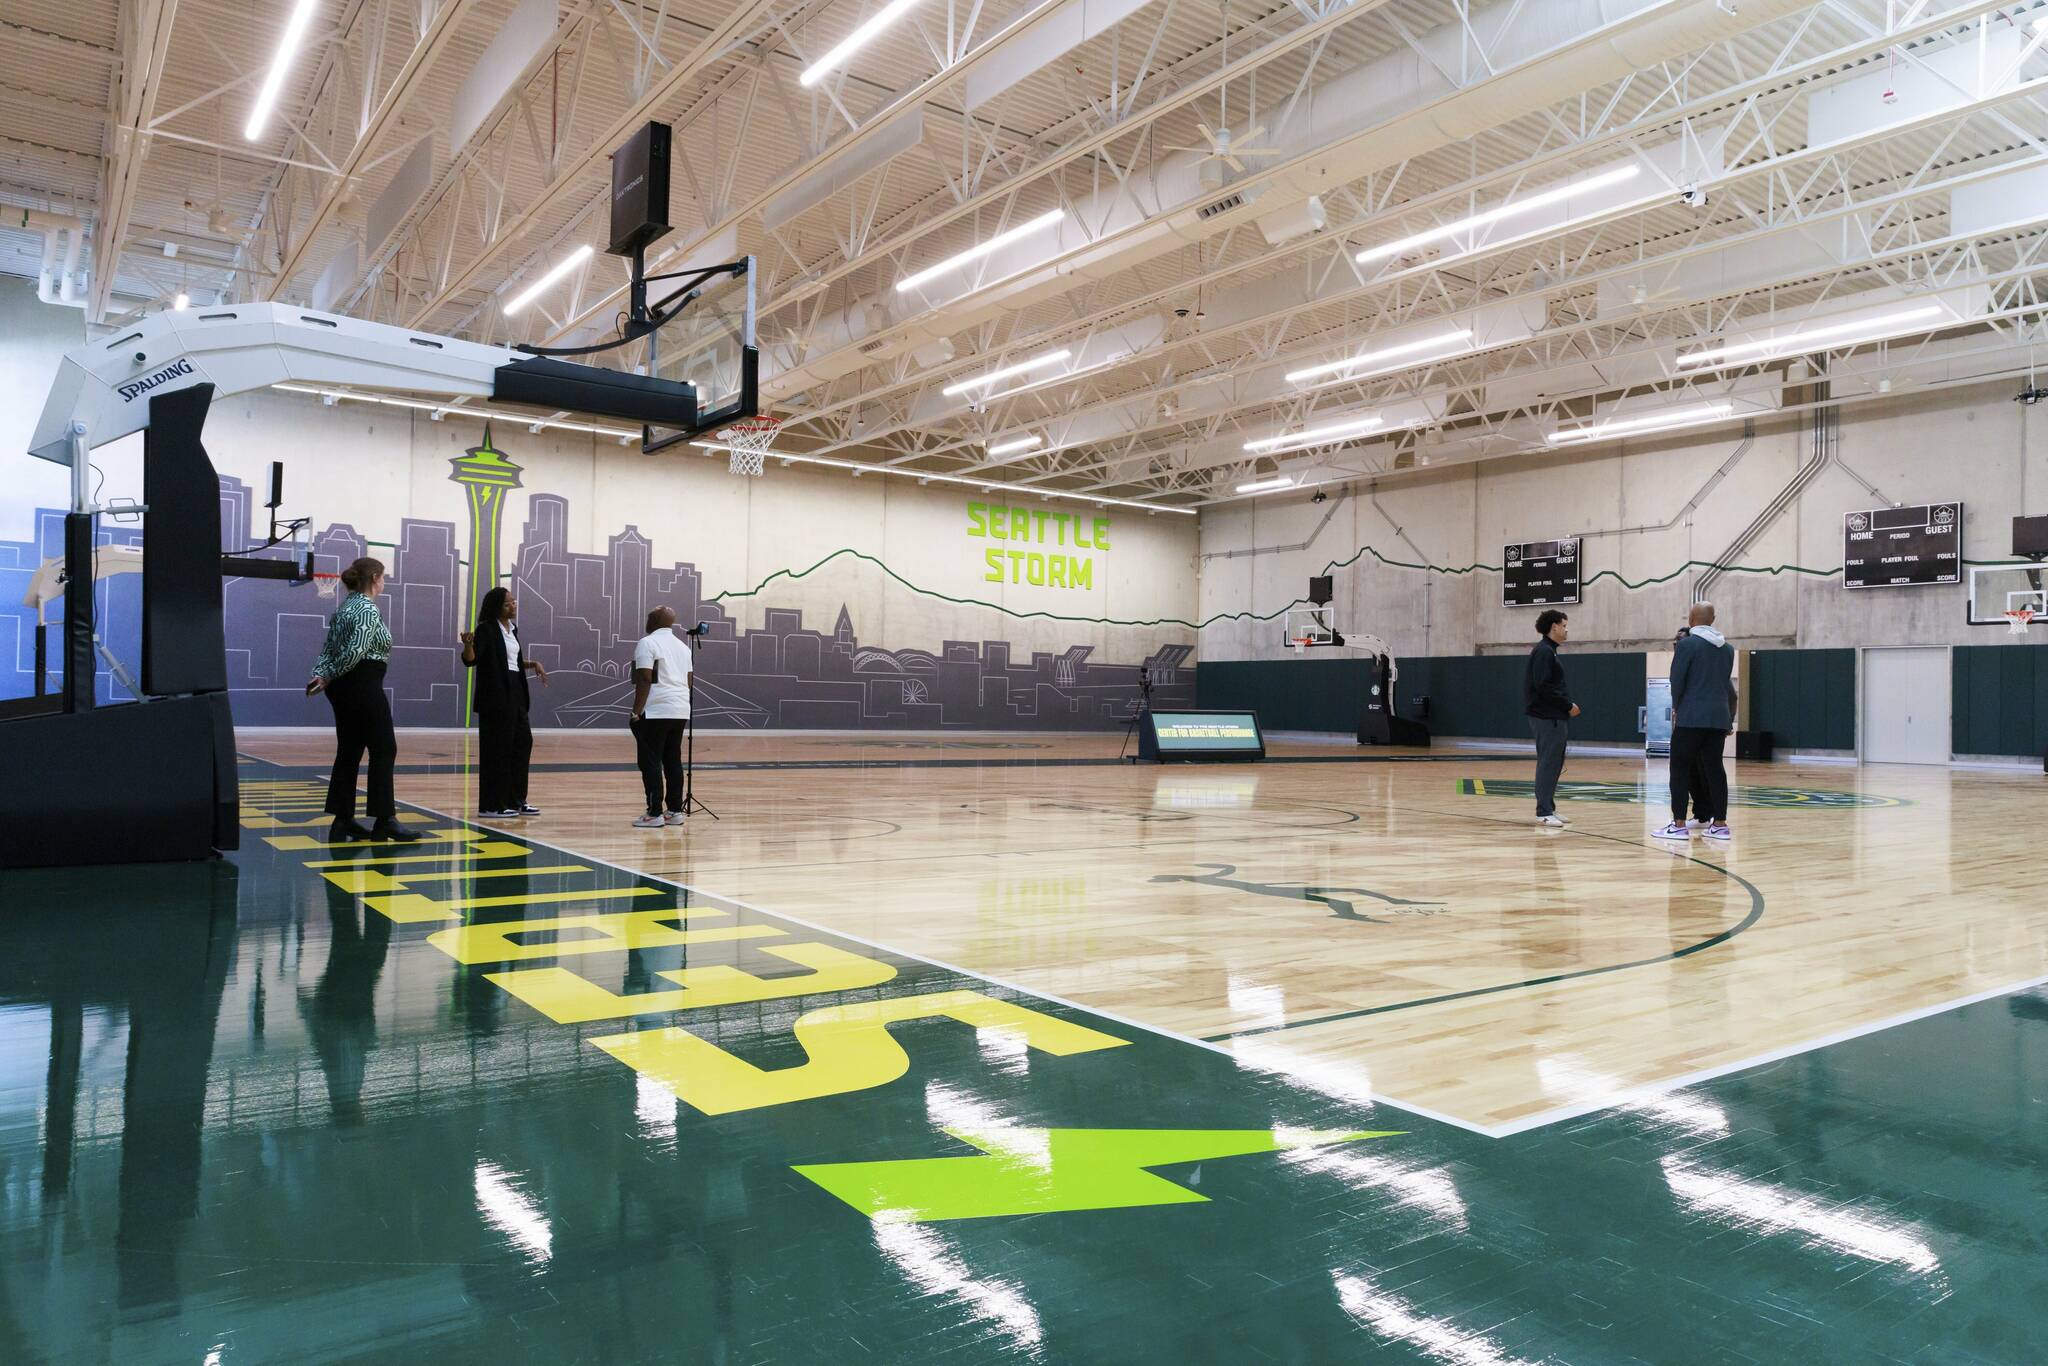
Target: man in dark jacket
1550,708
1702,714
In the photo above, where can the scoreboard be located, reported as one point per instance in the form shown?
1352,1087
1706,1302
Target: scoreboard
1905,546
1539,573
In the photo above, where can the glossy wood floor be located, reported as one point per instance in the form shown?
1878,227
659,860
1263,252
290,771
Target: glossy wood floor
1370,923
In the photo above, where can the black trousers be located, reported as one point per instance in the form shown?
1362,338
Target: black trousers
504,742
660,751
362,723
1698,773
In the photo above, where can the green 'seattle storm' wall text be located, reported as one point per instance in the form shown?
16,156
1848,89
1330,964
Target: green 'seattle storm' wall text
1056,568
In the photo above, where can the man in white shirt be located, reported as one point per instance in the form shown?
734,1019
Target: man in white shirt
661,710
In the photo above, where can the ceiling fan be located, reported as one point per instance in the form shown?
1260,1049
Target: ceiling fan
1221,146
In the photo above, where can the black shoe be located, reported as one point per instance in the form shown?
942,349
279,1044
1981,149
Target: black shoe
392,830
346,830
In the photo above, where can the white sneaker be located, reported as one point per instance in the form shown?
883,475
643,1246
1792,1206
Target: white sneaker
495,815
1553,822
524,810
648,823
674,818
1720,832
1673,831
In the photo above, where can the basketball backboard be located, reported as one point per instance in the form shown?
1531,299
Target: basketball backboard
1996,589
706,340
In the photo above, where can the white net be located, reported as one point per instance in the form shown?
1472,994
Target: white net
750,441
2018,620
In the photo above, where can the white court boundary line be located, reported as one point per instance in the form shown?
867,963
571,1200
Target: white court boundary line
1140,1025
1652,1090
1541,1119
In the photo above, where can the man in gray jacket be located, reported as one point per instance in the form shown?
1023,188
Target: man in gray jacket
1702,714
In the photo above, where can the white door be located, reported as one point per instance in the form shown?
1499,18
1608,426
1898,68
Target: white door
1906,706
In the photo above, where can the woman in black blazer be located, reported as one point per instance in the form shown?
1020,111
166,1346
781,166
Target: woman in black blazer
500,699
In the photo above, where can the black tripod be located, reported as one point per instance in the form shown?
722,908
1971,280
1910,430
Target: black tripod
690,802
1138,713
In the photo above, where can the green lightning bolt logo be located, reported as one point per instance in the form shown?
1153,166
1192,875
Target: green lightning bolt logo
1044,1171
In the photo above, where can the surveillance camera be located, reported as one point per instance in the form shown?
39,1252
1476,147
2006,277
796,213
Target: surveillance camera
1693,197
1180,312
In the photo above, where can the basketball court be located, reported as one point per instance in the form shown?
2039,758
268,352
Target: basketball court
1110,469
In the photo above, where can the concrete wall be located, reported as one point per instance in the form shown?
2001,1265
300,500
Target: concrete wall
1976,445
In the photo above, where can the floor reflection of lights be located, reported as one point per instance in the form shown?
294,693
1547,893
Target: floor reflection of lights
1574,1082
1747,1204
516,1215
927,1261
972,1120
1426,1188
1393,1317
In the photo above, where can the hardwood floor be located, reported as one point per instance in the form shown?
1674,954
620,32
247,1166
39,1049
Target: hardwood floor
1382,923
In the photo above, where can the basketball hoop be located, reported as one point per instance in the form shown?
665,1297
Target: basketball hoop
750,441
326,585
1301,644
2019,619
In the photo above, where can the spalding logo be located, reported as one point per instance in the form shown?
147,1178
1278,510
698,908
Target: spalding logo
131,390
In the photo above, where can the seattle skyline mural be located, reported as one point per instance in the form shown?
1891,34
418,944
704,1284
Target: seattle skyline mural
579,614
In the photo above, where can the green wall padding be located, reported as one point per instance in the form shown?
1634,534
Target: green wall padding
1292,694
1805,698
1999,699
1469,696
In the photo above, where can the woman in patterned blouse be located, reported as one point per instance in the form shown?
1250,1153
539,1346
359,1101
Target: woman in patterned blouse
350,671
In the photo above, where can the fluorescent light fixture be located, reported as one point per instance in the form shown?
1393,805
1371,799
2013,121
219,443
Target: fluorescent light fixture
1653,422
280,67
1740,352
1267,485
555,272
1384,353
854,42
1541,199
1336,431
1021,367
437,411
182,302
1022,443
927,477
332,396
994,244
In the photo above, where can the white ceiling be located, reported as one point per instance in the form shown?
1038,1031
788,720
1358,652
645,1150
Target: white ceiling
1822,196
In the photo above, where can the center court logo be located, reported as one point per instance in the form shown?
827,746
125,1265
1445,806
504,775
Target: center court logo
1646,794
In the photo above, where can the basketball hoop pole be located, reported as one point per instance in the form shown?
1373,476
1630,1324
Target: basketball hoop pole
1138,712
